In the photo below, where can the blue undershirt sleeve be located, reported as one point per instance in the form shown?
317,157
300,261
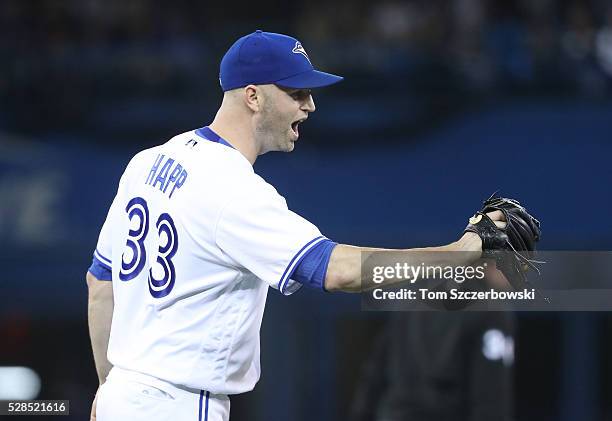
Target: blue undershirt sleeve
311,270
100,270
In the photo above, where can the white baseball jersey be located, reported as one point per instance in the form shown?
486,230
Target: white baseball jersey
194,238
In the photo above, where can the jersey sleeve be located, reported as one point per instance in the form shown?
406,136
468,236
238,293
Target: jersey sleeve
102,264
257,230
312,269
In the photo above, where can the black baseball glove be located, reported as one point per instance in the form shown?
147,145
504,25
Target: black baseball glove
512,247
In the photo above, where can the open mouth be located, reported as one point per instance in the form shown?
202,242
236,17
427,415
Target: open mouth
295,126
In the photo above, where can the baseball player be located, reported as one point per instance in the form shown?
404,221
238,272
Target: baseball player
193,240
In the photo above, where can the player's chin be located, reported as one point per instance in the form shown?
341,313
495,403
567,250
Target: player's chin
289,146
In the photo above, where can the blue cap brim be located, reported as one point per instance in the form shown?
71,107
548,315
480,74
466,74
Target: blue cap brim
310,79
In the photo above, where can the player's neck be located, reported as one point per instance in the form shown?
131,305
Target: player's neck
239,136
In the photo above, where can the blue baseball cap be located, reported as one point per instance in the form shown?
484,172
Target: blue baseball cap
265,57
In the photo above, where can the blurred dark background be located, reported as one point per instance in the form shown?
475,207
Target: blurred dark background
443,103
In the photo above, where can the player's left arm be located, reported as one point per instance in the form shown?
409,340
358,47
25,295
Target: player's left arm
100,315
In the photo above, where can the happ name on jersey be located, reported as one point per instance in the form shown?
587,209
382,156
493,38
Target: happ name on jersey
170,172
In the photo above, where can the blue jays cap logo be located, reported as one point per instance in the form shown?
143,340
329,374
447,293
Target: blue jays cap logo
298,49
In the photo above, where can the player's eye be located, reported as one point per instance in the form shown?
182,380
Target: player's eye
300,94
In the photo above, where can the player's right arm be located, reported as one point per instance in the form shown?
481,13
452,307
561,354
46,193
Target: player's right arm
257,230
345,263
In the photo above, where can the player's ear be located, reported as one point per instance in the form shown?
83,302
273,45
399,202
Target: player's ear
253,97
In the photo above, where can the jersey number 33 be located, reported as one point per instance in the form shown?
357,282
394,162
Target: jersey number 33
162,274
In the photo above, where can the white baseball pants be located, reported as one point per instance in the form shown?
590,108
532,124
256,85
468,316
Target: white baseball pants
127,395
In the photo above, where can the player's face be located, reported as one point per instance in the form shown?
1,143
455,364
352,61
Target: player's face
277,128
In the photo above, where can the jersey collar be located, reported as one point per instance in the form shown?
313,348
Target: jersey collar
207,133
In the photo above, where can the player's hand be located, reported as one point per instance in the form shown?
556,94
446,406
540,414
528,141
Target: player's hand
472,242
93,408
498,217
